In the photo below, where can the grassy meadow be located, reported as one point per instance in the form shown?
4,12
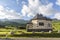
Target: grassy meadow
15,32
56,25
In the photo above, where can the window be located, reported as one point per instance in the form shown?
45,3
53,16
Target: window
49,25
41,24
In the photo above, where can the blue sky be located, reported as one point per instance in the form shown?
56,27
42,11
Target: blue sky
27,9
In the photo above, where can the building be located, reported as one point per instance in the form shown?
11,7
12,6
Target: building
39,23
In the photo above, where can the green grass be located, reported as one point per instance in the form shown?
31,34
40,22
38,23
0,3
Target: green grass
24,33
56,25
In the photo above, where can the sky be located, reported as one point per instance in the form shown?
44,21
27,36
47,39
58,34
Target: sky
27,9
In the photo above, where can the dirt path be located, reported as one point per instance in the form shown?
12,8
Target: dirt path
32,39
37,39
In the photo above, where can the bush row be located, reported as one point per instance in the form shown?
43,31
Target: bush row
37,35
34,35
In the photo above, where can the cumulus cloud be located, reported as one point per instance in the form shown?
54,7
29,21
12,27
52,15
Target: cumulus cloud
26,11
35,6
57,15
9,14
58,2
1,7
46,9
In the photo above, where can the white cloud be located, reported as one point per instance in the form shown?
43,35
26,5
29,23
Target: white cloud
57,15
46,9
58,2
35,6
26,11
1,7
9,14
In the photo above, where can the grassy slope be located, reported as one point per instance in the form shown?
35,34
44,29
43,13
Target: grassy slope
56,25
3,31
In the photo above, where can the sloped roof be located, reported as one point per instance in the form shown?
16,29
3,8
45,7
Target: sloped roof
41,17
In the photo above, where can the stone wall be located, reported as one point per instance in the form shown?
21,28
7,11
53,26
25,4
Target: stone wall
35,25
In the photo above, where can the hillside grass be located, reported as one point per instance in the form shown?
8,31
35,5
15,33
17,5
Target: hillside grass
23,33
56,25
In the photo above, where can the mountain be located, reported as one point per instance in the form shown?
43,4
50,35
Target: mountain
19,21
14,22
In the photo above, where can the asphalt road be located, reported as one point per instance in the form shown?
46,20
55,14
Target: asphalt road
32,39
